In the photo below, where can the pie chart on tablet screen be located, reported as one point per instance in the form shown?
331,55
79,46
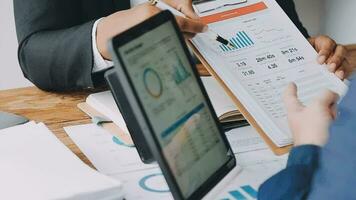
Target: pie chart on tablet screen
152,82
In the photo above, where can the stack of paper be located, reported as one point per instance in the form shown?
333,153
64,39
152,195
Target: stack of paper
36,165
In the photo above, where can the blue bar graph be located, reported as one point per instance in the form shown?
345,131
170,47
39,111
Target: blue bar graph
242,193
237,195
250,190
241,40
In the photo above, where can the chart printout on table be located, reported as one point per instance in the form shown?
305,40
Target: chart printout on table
269,53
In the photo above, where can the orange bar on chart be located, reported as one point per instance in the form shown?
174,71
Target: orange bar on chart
234,13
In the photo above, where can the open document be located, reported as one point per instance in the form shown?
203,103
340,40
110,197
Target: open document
269,53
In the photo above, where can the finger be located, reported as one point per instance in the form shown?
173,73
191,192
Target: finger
190,25
334,111
328,98
312,41
340,74
348,68
189,36
187,10
338,57
290,98
326,47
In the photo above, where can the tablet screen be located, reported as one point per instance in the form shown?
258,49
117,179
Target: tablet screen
175,107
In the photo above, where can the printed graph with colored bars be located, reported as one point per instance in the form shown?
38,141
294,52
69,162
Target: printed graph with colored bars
240,40
245,192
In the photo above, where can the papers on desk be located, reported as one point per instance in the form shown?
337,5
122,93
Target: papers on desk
104,103
143,181
226,110
257,166
36,165
245,139
269,53
104,152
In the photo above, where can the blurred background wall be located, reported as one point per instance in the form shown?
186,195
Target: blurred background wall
339,20
10,72
330,17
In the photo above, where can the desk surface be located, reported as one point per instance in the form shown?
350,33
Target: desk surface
56,110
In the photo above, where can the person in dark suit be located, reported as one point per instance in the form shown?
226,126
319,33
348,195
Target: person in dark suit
62,43
318,167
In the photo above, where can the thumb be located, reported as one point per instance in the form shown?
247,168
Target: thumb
329,98
325,47
290,98
190,26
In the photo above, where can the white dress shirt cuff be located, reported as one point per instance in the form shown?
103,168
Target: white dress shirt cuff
99,62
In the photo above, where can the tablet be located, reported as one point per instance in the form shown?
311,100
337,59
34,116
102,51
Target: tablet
170,106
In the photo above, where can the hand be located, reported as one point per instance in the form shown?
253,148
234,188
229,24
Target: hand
120,21
183,6
333,55
309,125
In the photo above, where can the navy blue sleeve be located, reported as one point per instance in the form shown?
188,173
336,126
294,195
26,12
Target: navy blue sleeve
336,174
294,181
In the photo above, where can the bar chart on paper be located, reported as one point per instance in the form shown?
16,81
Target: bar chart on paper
240,40
245,192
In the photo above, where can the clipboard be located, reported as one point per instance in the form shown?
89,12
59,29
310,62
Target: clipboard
276,150
110,127
216,4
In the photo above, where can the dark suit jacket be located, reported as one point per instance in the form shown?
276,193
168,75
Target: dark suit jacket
321,173
55,46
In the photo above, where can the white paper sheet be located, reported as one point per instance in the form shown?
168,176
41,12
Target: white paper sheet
104,103
106,155
245,139
36,165
145,184
257,166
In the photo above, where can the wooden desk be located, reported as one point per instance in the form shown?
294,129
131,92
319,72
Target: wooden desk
55,110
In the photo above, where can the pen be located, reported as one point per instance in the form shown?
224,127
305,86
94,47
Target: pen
163,6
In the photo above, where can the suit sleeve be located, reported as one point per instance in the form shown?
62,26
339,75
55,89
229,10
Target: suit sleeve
55,49
289,8
295,180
